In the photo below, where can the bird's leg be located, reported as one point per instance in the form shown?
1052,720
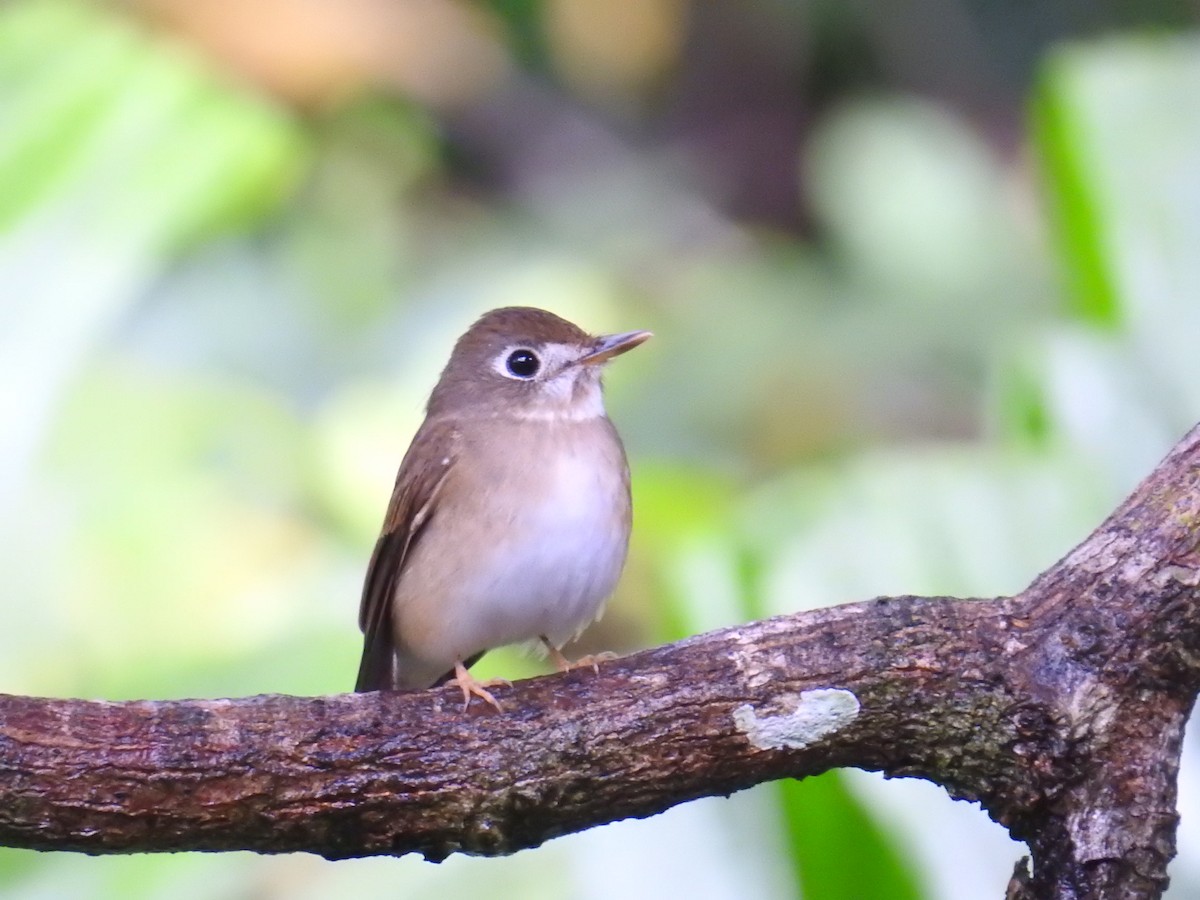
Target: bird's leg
565,665
560,662
469,685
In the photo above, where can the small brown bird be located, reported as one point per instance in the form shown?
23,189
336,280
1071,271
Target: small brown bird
510,517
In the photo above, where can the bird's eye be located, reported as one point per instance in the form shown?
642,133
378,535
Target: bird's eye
522,363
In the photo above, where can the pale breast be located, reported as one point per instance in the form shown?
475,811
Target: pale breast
535,546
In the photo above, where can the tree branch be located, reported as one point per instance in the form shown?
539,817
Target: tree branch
1060,709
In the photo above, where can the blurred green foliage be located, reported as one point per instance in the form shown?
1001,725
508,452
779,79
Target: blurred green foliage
221,317
80,89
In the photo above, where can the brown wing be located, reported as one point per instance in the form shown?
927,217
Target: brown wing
422,473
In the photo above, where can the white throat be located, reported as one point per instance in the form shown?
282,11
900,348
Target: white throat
565,399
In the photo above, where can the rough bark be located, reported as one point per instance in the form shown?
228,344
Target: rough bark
1061,710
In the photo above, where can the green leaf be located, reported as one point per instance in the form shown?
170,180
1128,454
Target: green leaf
1117,131
838,852
1072,204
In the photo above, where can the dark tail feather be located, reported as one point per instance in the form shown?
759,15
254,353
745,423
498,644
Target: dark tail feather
376,671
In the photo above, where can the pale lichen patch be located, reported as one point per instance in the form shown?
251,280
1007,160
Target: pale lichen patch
817,713
1183,575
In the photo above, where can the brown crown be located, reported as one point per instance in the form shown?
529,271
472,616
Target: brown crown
516,324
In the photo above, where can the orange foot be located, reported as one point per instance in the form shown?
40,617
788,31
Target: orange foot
470,685
565,665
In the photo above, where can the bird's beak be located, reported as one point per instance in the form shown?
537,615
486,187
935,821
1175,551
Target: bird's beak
609,345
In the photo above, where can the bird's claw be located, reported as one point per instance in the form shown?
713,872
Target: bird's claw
471,686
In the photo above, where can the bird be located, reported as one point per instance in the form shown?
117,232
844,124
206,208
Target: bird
510,518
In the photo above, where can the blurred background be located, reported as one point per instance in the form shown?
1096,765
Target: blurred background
924,279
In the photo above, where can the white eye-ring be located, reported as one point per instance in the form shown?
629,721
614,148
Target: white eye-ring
520,363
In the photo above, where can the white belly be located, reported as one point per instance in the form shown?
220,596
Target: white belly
519,565
553,576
